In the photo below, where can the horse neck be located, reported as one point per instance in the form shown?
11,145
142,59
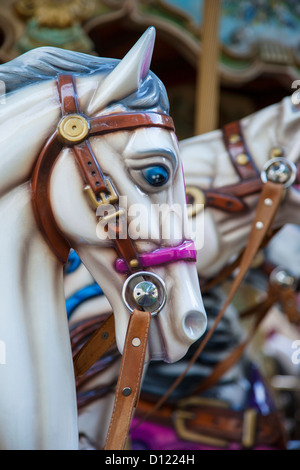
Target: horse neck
28,269
27,119
34,329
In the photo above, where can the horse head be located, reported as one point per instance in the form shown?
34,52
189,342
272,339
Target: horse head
225,171
89,158
118,228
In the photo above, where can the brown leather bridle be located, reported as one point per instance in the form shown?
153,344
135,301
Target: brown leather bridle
230,198
73,131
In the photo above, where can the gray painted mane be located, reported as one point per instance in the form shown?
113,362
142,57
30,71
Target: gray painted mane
46,63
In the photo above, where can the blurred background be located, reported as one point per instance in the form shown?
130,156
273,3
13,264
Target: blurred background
220,61
245,58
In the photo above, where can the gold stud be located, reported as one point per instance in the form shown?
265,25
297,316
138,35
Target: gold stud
73,128
276,152
242,159
234,138
133,263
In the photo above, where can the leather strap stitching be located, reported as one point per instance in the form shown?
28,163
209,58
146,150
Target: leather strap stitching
139,324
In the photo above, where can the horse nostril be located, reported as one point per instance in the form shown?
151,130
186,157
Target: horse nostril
194,324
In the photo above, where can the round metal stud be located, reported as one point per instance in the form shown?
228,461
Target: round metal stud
73,128
259,225
242,159
126,391
146,290
234,138
282,277
276,152
279,170
134,263
145,293
268,202
136,342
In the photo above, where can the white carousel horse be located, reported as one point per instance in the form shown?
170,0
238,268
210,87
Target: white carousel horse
44,211
223,172
208,168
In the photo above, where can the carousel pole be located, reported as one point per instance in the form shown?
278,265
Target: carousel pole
207,86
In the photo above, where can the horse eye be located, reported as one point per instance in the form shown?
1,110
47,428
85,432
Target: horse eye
156,175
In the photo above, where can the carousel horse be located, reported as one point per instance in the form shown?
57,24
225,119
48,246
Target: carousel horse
79,133
223,173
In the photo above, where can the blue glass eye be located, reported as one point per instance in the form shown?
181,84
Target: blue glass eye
156,175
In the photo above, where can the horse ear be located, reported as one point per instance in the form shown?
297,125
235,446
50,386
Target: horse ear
127,75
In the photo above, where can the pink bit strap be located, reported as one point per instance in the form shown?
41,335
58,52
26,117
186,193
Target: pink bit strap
184,252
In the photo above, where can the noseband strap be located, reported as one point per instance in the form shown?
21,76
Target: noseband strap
73,131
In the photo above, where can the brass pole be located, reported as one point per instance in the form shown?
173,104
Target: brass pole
207,86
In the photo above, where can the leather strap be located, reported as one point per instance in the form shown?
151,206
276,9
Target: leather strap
282,294
89,167
239,154
80,332
87,163
206,285
230,198
69,103
260,228
129,381
223,366
85,157
226,202
95,347
41,199
129,121
213,422
287,299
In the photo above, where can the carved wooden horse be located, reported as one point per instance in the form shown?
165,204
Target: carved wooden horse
72,122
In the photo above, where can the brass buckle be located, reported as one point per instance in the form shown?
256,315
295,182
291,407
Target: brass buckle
198,200
182,414
249,427
111,197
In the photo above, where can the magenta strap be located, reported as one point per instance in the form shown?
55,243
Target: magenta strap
184,252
